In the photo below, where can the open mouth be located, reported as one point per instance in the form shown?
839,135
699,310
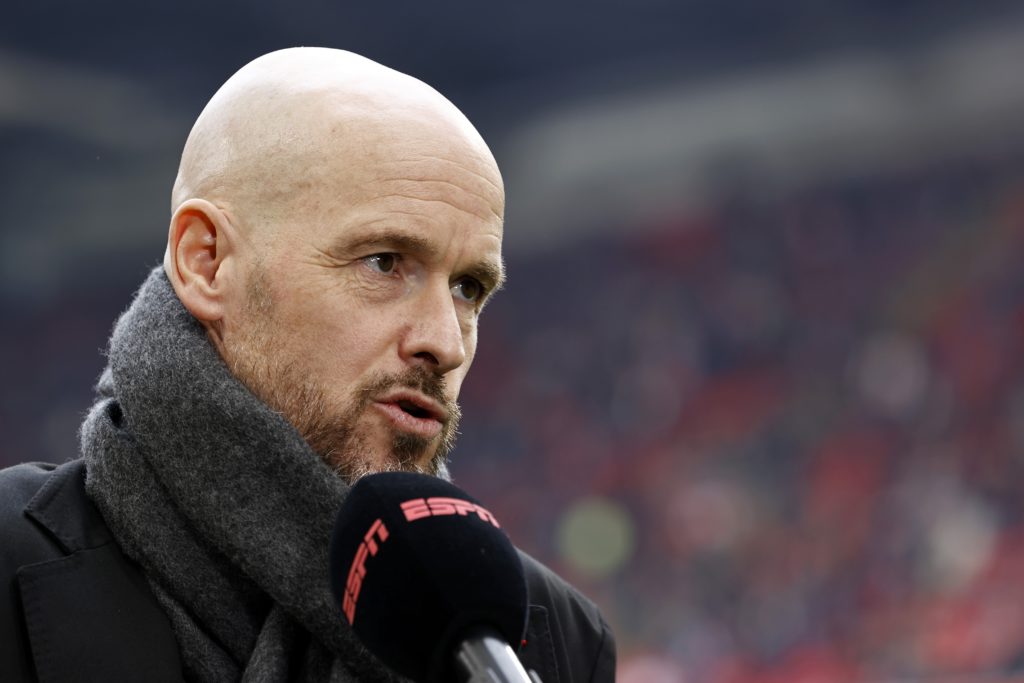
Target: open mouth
413,409
409,415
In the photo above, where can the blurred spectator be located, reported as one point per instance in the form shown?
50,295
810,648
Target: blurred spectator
805,414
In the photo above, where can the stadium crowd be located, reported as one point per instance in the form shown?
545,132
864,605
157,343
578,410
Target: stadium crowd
778,439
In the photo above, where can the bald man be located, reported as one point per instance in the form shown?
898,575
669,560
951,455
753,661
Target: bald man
335,234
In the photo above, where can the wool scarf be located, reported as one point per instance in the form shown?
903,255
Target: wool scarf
220,501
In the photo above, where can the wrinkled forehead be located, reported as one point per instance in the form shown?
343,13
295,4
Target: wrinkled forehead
307,119
335,148
415,147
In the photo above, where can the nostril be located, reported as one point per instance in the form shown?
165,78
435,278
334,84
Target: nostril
429,357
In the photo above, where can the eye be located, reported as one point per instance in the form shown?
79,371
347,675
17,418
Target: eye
469,289
382,263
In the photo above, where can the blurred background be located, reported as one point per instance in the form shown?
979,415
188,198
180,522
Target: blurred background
755,382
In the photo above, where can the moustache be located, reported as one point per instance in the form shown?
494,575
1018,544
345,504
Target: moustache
417,378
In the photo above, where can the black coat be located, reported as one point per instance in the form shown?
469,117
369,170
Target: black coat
74,608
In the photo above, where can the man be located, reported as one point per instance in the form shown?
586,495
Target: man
335,233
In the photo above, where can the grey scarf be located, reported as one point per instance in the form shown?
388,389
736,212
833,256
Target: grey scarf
220,501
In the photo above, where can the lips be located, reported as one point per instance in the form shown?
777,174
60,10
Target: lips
413,413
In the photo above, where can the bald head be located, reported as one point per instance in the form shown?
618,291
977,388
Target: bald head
300,129
337,229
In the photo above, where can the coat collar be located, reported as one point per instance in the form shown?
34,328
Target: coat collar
90,615
62,507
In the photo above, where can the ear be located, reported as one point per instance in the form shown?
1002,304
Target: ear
200,241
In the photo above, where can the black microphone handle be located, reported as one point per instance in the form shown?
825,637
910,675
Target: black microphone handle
484,657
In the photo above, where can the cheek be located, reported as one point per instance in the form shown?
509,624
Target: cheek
455,379
470,342
336,340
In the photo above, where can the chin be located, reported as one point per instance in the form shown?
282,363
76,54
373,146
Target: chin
353,468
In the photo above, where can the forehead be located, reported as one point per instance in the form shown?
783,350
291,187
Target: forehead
383,158
410,172
466,183
439,203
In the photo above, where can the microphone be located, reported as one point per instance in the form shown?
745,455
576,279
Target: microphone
428,581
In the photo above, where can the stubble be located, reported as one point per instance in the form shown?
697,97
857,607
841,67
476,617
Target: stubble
334,433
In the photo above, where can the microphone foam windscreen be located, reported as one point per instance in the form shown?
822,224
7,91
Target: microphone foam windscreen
415,562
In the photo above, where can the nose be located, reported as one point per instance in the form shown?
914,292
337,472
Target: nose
434,338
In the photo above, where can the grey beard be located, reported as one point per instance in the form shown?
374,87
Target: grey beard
336,438
255,360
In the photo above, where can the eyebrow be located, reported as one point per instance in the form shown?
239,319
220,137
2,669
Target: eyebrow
490,274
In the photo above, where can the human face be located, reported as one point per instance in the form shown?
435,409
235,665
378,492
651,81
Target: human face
359,321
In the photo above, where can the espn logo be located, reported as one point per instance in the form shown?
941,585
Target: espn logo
418,508
357,572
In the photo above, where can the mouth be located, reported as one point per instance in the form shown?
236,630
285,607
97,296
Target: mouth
413,409
413,413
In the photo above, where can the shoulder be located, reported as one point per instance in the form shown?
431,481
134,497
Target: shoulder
582,642
548,588
59,569
23,540
19,483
